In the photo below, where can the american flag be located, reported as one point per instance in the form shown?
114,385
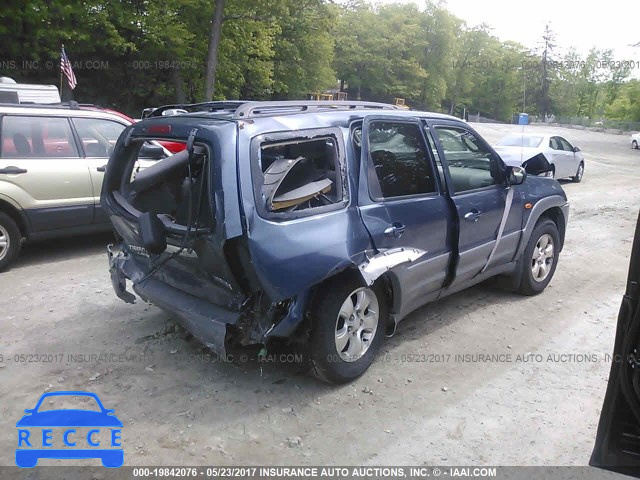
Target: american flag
65,67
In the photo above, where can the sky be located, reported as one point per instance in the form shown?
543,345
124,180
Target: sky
612,24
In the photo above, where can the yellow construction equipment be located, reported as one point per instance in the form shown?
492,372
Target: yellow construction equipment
399,102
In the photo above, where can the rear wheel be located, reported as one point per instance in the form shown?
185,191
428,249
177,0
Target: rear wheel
10,238
634,145
577,178
540,258
349,320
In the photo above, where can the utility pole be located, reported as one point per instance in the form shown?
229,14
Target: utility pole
524,91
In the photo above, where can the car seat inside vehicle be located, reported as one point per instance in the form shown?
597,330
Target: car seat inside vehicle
21,144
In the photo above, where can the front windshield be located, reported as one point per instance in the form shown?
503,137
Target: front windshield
520,141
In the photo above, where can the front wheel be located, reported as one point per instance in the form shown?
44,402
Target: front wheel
349,320
10,238
540,258
577,178
634,145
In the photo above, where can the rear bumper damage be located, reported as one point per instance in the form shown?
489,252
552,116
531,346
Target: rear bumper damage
207,322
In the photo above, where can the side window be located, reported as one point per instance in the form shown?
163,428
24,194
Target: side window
471,164
554,144
434,151
98,136
566,146
37,137
400,159
300,174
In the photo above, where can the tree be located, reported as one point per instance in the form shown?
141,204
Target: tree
543,99
214,44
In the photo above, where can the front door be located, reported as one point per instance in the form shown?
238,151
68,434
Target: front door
570,166
477,188
402,204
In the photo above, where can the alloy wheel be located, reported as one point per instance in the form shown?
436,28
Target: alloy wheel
5,242
356,324
542,258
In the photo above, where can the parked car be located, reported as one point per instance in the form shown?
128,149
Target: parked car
324,223
52,161
635,141
617,444
565,159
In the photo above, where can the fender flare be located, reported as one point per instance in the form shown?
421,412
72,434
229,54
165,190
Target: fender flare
540,207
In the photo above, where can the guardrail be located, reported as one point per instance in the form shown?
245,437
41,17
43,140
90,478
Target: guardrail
604,125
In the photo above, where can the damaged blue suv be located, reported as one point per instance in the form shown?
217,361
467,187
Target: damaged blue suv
321,222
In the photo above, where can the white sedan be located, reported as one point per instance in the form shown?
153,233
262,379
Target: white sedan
635,141
566,160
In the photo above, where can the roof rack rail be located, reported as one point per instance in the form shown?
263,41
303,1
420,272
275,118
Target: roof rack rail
72,104
231,105
266,108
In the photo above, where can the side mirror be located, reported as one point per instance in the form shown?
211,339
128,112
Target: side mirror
29,410
516,175
576,149
154,152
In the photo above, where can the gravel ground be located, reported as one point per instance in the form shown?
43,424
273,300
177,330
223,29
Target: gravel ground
423,401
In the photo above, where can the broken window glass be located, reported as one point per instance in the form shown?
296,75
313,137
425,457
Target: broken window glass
300,174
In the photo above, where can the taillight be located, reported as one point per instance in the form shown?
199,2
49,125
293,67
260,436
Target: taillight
159,129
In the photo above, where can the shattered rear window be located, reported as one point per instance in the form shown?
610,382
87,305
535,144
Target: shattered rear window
300,174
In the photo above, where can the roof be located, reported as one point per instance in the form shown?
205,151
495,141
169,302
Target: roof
64,109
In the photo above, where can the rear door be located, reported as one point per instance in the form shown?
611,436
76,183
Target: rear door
402,203
476,184
97,138
41,169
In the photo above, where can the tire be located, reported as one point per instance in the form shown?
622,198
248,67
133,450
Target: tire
577,178
10,240
553,171
333,309
532,276
634,145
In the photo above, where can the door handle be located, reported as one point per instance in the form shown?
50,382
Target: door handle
473,215
12,170
395,230
103,168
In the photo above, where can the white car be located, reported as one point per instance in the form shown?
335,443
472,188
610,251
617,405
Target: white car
566,160
635,141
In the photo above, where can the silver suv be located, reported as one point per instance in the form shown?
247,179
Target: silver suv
52,161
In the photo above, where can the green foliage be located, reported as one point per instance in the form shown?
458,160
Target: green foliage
140,53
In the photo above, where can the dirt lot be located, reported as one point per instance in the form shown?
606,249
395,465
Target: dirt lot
420,402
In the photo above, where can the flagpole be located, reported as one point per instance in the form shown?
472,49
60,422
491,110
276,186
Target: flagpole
61,71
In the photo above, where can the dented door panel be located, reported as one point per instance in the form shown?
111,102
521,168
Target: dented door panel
293,250
418,221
